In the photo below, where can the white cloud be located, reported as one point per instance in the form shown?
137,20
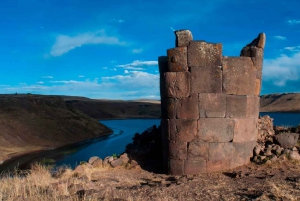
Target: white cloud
81,76
293,21
117,20
134,85
172,28
280,37
282,69
138,65
293,49
48,77
113,69
126,71
137,51
64,43
40,82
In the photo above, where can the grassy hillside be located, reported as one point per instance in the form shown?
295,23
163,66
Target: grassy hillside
33,122
288,102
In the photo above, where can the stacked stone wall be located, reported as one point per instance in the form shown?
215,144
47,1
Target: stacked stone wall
210,105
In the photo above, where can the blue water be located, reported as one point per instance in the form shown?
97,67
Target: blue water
283,118
104,146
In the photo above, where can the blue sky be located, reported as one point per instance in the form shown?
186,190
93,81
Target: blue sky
109,49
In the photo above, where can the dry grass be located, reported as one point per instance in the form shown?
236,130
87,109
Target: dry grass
136,184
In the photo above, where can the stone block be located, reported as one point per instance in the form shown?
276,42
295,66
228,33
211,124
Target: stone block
183,38
239,156
176,167
198,150
220,151
206,55
206,79
249,146
168,108
245,130
177,59
214,166
215,129
239,76
182,130
257,87
163,64
242,106
177,84
187,108
212,105
194,166
178,150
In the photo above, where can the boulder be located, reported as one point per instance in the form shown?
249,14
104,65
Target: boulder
117,162
98,163
287,140
93,159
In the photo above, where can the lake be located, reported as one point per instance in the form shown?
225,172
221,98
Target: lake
104,146
283,118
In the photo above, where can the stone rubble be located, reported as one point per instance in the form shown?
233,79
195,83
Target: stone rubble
275,142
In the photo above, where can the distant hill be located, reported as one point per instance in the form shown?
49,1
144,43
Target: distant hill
116,109
287,102
34,122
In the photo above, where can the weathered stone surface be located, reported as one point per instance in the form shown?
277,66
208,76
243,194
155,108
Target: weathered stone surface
287,140
249,146
257,87
168,108
98,163
245,130
176,167
177,59
242,106
220,151
182,130
178,150
215,129
238,155
194,166
198,150
187,108
214,166
125,158
183,37
163,64
239,76
116,163
177,84
206,55
206,79
261,40
93,159
212,105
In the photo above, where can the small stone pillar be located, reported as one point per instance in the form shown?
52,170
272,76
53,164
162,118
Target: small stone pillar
210,105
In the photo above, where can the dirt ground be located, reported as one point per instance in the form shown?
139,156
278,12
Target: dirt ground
278,180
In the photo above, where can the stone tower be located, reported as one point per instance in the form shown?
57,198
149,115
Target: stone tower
210,105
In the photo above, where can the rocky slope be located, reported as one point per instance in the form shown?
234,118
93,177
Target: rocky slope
288,102
33,122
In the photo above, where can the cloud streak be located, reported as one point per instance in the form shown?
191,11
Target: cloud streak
65,43
280,37
138,65
282,69
293,21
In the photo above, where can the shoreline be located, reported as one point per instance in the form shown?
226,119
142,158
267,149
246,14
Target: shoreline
15,156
